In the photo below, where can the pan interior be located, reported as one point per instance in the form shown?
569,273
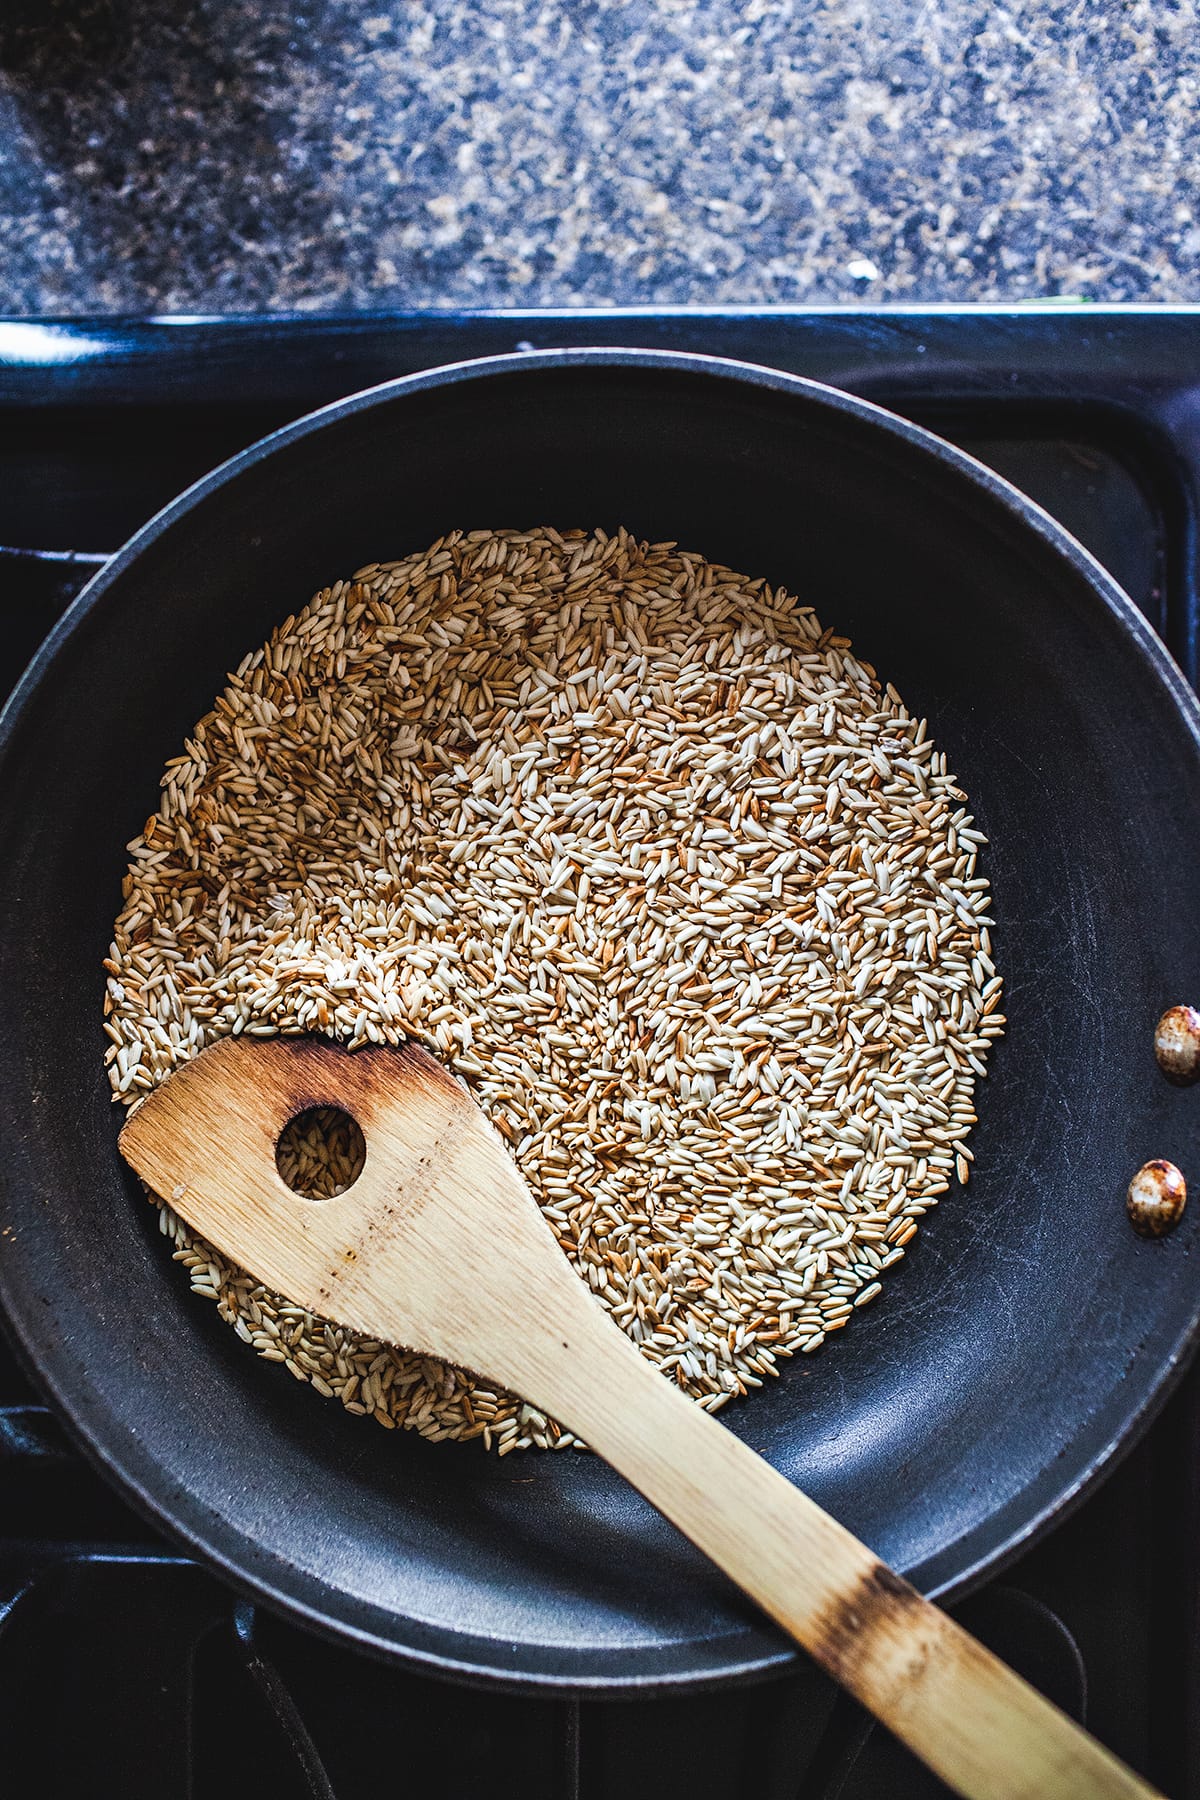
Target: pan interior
1027,1328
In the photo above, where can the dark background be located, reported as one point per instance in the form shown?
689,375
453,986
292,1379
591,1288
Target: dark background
160,155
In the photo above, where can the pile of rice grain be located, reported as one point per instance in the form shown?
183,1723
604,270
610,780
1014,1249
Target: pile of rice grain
653,863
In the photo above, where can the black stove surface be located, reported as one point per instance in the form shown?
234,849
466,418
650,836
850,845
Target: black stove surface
125,1668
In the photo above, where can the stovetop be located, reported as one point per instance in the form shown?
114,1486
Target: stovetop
125,1668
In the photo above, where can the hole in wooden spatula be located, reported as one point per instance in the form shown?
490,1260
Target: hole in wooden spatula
321,1152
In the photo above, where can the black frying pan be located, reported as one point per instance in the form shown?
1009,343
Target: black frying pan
1028,1334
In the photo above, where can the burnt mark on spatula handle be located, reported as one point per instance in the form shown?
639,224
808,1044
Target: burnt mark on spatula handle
881,1604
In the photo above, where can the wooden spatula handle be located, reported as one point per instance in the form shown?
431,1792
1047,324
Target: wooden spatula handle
982,1728
439,1246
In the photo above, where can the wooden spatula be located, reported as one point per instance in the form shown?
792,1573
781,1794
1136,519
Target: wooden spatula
439,1246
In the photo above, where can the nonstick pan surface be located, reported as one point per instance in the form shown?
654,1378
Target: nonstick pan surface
1027,1334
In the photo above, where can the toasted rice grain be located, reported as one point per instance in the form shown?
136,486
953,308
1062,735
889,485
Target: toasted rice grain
647,857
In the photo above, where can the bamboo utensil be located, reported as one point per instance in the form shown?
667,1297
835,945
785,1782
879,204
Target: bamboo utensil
439,1246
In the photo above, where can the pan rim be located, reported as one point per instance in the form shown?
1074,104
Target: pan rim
722,1667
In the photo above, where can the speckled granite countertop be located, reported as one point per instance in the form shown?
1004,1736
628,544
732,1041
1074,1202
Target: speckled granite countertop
249,154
